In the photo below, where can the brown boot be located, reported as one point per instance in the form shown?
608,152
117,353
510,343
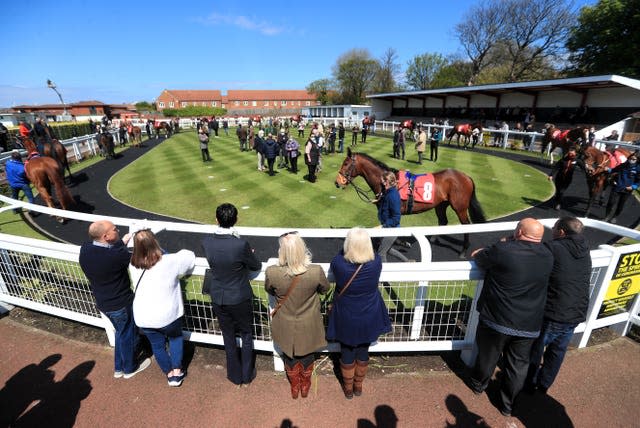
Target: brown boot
348,371
305,384
294,375
361,372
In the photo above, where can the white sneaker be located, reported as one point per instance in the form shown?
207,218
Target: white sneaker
118,374
143,365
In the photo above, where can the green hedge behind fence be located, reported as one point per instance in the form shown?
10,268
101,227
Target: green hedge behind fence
62,130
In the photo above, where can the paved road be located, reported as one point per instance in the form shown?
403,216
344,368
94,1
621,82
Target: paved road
90,186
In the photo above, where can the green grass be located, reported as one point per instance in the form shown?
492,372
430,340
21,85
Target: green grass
172,180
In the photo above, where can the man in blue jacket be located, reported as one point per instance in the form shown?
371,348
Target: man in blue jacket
17,178
627,181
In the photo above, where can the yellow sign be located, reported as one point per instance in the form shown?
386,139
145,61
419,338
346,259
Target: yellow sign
623,287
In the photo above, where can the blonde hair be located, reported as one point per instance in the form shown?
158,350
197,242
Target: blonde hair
390,177
293,254
146,250
357,246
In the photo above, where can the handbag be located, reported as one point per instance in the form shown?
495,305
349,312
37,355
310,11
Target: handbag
343,289
294,282
207,281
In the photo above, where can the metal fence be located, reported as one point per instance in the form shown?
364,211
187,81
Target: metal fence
431,304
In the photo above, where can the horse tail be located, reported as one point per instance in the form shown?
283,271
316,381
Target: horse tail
63,194
475,209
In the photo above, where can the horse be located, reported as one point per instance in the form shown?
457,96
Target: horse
596,163
168,130
45,172
107,146
466,130
452,188
562,139
135,136
58,151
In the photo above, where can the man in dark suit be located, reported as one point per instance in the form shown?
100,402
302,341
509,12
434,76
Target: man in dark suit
231,259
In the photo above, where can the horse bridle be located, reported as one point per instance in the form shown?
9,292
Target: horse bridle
595,170
363,194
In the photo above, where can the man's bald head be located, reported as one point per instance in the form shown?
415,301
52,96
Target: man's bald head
529,229
103,231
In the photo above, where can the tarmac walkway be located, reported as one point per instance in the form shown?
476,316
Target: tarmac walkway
52,381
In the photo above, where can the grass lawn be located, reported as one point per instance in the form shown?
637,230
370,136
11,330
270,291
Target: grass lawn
172,180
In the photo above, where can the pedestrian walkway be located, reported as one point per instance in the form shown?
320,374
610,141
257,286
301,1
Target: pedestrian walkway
52,381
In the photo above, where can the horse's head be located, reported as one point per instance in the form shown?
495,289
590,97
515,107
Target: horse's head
348,171
594,161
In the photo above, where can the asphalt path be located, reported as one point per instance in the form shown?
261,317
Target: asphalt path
89,188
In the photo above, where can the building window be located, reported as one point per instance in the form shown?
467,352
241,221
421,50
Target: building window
254,103
195,103
161,104
236,103
275,104
183,104
92,111
245,103
214,104
204,104
266,104
299,103
224,105
284,103
307,103
171,104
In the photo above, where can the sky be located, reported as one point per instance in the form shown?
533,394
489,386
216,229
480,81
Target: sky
129,51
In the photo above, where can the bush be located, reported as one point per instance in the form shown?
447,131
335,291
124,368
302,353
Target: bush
194,111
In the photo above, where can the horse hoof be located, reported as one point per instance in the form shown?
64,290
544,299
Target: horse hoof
60,220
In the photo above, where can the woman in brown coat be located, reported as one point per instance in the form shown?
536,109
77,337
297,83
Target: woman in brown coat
296,324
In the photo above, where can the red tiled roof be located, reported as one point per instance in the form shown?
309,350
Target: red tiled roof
195,95
268,95
88,103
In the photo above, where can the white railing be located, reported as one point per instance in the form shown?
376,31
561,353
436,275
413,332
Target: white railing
431,304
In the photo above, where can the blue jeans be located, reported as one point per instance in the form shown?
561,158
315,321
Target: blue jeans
27,192
126,339
158,337
555,337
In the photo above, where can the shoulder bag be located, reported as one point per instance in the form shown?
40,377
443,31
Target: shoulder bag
294,282
344,288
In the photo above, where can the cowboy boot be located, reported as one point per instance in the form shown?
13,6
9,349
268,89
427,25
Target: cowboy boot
348,371
361,372
294,375
305,384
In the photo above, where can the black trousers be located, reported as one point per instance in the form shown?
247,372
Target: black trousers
616,201
434,151
294,164
237,319
312,172
515,353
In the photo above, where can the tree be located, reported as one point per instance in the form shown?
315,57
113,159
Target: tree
457,72
535,38
321,88
423,69
353,73
388,68
145,106
605,39
478,32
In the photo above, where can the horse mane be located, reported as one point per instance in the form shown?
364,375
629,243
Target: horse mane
378,163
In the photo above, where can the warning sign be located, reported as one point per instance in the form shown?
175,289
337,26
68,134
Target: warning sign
624,286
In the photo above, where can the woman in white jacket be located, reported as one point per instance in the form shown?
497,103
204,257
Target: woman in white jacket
157,305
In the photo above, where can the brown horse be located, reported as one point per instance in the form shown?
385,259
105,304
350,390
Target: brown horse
452,188
107,145
465,130
168,130
45,172
135,136
596,164
562,139
58,151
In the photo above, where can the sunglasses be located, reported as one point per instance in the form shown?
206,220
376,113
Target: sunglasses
295,232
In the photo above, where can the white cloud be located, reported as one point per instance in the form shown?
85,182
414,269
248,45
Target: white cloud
242,22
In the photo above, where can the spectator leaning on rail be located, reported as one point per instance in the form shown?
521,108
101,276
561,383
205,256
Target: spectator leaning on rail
511,308
105,262
358,315
627,180
157,302
567,302
231,259
296,324
14,170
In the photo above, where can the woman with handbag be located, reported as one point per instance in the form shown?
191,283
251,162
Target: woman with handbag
157,302
296,321
358,315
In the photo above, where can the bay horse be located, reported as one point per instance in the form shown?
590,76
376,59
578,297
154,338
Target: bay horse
596,163
554,137
58,151
45,172
465,130
159,126
452,188
107,145
135,136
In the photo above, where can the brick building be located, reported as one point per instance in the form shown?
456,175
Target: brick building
82,110
266,102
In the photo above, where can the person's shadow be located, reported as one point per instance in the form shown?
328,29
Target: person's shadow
60,401
385,417
26,386
463,417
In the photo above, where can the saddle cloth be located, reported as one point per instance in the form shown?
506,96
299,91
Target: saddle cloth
616,158
423,186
